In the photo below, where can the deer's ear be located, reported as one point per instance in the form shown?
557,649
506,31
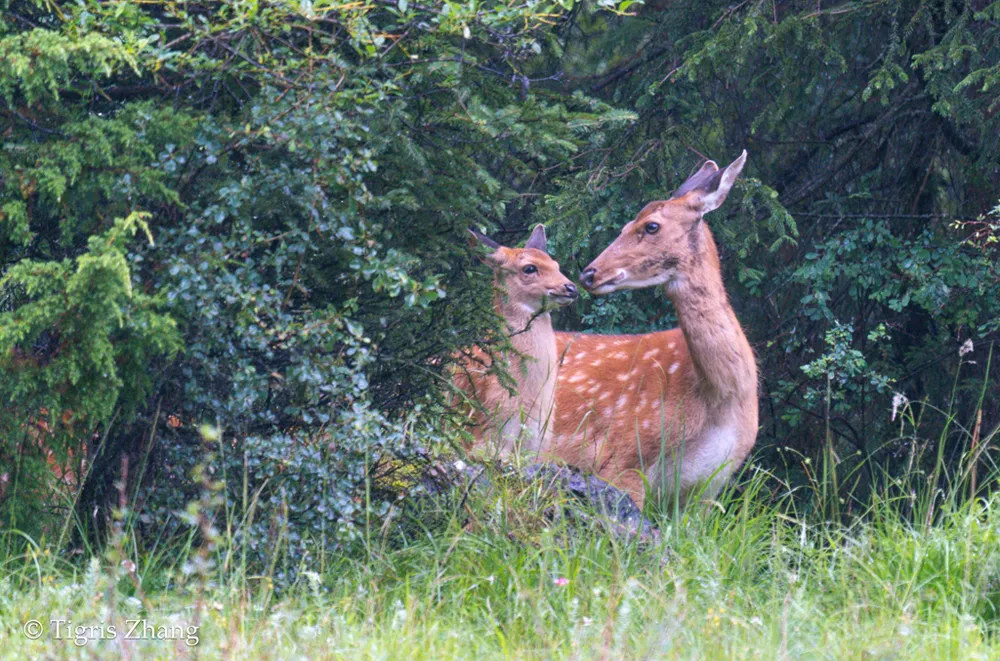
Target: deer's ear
708,169
537,239
493,259
485,240
713,191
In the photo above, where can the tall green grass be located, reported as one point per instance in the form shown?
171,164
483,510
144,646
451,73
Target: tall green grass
907,567
744,580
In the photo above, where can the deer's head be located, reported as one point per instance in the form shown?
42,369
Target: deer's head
666,237
528,277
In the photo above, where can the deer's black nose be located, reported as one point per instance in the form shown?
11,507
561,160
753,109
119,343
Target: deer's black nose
571,290
587,277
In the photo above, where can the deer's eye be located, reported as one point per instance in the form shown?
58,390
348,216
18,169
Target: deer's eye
530,268
652,228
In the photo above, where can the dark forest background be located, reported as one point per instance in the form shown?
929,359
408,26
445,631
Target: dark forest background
250,216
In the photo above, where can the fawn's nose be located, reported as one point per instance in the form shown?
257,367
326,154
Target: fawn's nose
587,277
571,290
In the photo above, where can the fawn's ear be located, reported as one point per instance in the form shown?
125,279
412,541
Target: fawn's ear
712,192
708,169
537,239
485,240
477,238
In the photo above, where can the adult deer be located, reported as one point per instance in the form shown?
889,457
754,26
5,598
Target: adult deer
528,284
679,406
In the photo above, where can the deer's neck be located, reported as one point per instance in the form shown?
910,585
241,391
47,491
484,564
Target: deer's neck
532,337
533,365
720,352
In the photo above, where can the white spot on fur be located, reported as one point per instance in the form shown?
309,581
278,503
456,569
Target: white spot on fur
579,356
649,354
622,401
673,368
671,345
596,363
576,378
647,423
619,355
624,377
601,346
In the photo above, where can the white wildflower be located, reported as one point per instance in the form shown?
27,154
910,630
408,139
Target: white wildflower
965,348
898,400
315,580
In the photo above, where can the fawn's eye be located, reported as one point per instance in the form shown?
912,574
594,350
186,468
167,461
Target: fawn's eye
652,228
530,268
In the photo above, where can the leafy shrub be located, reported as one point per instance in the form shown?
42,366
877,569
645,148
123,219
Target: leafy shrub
306,175
305,172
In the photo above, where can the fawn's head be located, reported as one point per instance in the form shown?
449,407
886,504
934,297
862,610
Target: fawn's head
528,277
666,237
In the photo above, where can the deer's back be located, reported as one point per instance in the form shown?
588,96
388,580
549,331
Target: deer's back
623,400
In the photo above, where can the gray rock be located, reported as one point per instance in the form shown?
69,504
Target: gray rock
591,499
613,504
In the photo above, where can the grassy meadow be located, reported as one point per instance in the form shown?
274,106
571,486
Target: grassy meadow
759,573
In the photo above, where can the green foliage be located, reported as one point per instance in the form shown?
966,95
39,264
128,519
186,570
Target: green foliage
307,173
89,300
844,366
38,64
307,170
85,327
